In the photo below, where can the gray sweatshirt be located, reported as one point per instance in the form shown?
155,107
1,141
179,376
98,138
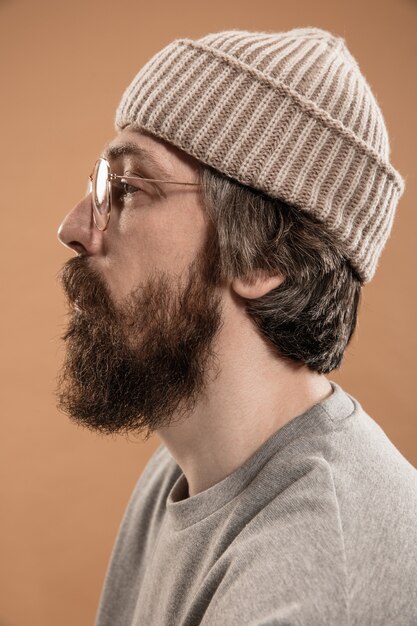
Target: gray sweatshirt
318,527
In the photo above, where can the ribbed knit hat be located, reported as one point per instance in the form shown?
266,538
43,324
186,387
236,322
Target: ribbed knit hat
289,114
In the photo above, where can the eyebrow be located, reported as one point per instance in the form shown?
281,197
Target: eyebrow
142,154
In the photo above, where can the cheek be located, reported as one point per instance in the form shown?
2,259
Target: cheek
166,236
166,240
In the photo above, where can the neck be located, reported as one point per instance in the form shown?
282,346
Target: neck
254,394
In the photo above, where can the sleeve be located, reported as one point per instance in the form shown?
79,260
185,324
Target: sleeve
272,592
291,573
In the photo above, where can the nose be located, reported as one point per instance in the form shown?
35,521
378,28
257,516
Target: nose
77,230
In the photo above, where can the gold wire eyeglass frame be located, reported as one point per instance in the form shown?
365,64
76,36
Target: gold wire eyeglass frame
101,175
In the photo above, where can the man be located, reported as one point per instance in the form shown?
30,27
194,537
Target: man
221,250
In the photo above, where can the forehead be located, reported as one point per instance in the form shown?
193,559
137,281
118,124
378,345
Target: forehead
157,155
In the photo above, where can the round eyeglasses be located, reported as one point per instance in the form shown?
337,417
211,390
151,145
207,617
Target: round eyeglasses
99,185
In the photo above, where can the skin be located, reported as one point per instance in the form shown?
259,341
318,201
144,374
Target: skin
252,393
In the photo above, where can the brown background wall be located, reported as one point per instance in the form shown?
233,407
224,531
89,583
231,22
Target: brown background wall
63,69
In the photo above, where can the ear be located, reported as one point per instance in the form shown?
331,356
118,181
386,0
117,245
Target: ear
256,286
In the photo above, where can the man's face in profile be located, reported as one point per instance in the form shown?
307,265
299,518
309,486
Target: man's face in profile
144,310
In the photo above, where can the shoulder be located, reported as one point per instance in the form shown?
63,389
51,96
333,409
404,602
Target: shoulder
369,470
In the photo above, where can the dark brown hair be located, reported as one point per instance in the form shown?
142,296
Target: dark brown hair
309,318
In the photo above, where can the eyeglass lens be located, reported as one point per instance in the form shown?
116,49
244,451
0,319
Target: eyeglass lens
100,193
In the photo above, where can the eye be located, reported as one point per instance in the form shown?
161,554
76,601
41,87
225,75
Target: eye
127,189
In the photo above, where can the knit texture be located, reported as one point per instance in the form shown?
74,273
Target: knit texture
289,114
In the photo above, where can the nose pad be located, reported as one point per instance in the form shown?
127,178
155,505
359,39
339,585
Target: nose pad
77,230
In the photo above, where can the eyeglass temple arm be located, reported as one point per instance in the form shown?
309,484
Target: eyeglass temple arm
115,177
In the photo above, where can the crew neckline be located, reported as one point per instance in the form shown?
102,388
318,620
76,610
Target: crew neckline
187,510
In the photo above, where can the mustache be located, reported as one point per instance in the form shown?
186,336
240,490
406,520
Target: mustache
84,288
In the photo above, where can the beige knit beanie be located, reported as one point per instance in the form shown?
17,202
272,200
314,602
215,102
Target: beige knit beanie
289,114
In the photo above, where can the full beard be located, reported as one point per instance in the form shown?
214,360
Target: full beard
142,364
